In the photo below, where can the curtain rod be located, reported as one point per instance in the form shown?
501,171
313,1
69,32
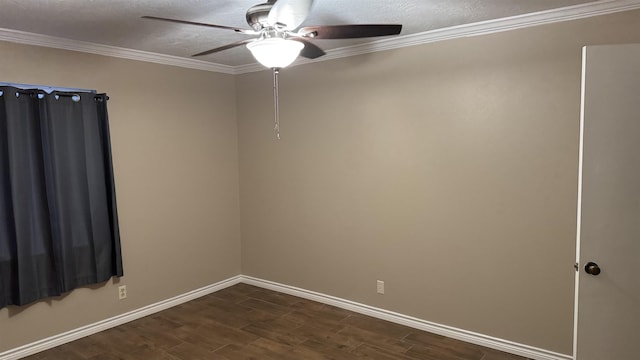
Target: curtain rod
45,88
64,94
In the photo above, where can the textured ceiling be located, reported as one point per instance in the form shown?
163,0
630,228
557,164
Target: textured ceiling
118,23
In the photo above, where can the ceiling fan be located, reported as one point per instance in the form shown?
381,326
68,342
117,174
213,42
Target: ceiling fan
278,43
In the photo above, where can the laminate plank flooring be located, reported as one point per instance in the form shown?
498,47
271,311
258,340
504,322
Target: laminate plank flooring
244,322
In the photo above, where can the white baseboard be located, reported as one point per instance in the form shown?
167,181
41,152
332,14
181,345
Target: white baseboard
448,331
57,340
464,335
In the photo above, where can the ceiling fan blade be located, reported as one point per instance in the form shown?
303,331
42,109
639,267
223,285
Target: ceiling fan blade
349,31
226,47
310,50
243,31
289,14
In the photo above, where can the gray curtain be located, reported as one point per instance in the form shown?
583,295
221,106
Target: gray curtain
58,218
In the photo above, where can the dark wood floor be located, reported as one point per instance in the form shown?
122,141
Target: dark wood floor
246,322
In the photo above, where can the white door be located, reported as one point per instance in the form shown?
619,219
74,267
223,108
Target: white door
608,303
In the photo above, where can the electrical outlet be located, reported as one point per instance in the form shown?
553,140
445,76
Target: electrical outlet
380,287
122,292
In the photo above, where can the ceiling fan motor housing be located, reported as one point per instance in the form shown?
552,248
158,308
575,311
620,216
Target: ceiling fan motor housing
258,15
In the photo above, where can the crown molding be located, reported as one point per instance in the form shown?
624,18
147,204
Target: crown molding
28,38
467,30
596,8
505,24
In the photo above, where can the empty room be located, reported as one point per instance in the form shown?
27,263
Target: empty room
299,179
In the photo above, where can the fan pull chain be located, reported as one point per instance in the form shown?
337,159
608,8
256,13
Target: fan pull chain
276,72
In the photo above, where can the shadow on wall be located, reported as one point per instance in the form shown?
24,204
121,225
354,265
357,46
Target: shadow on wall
14,310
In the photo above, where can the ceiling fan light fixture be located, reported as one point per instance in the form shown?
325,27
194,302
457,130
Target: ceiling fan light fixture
275,52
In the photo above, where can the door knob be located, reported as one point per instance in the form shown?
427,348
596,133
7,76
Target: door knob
592,268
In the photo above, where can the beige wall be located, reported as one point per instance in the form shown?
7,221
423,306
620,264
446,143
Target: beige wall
447,170
174,140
